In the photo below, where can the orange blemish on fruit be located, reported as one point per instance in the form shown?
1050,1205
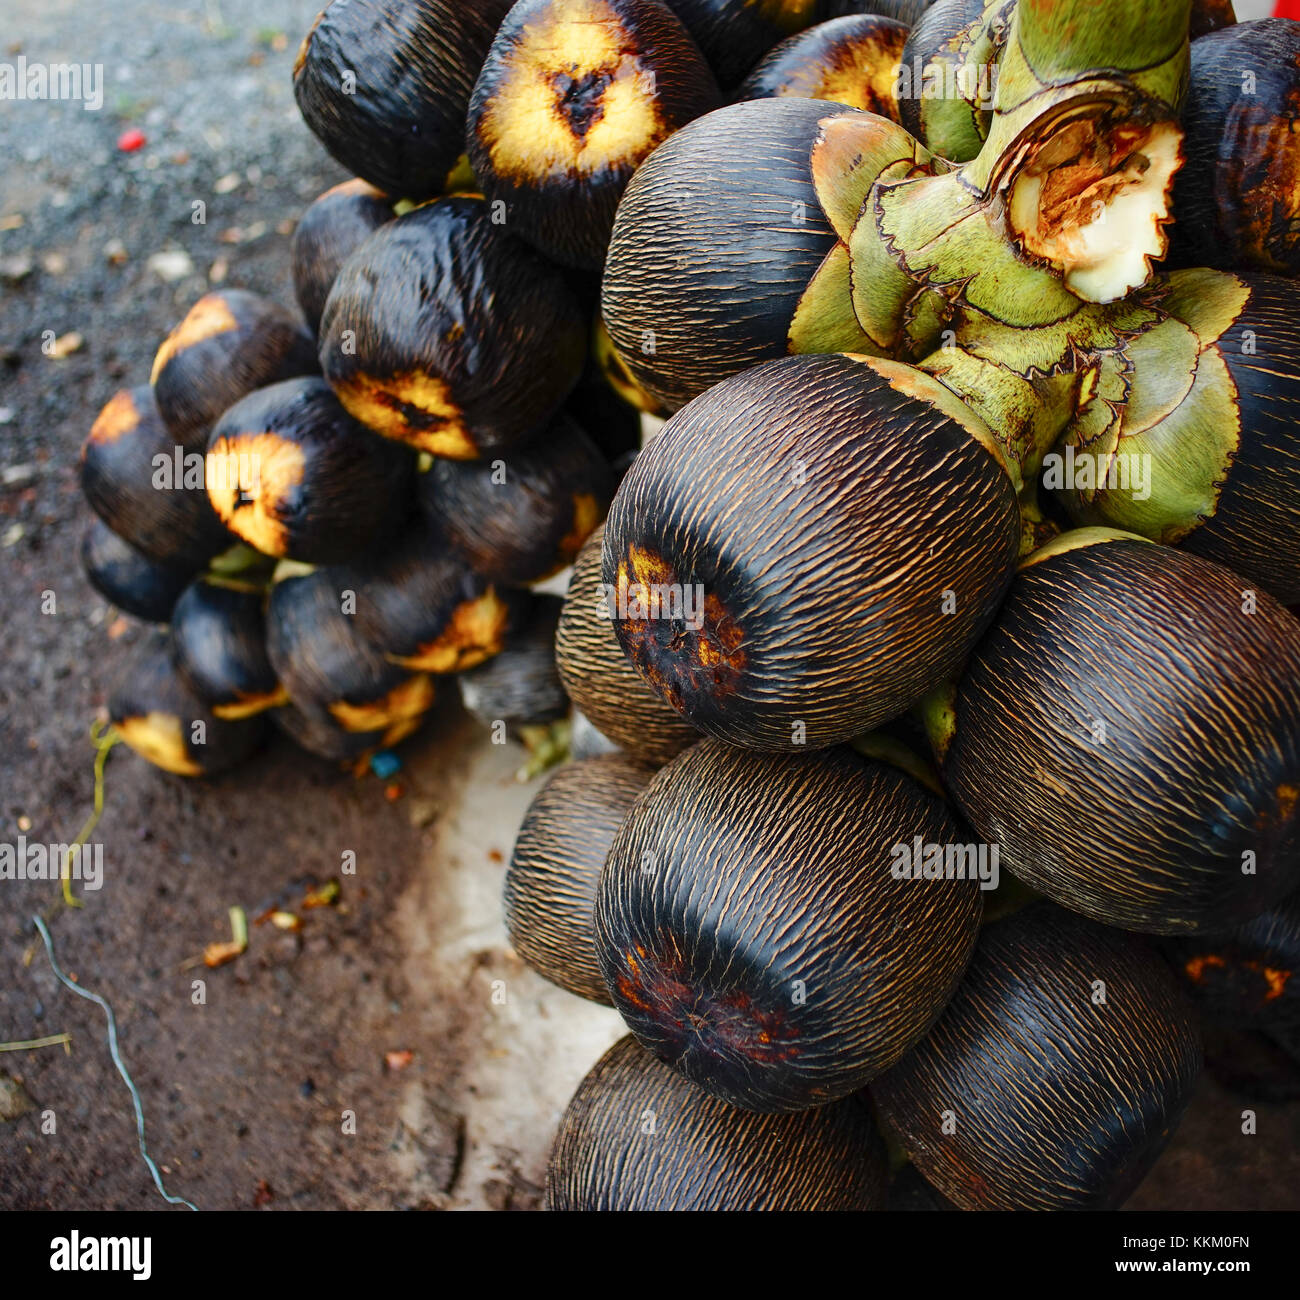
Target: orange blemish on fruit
1274,978
409,700
1286,801
414,408
249,478
574,101
210,316
475,632
248,705
120,416
1195,966
160,738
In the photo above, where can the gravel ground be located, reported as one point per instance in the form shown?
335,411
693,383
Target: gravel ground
245,1093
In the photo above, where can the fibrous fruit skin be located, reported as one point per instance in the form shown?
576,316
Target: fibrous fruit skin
598,677
754,933
842,533
715,242
550,892
159,715
422,606
333,676
1248,977
904,11
134,583
523,515
1255,527
734,34
290,472
1129,732
219,639
166,518
573,96
701,1154
443,332
1237,199
328,233
1056,1074
851,60
385,87
230,343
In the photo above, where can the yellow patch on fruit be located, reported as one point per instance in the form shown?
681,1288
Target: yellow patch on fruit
246,706
586,515
159,738
575,100
120,416
475,632
404,703
865,81
210,316
249,477
414,408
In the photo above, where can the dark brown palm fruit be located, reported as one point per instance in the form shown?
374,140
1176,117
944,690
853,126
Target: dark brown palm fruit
328,668
573,97
159,716
614,370
1254,528
1237,197
734,34
846,532
385,86
521,685
422,606
230,343
757,931
134,583
558,856
1128,731
598,677
715,242
525,514
904,11
444,332
1055,1076
1210,16
137,480
330,231
637,1136
294,475
219,638
1246,978
315,732
604,415
851,60
954,48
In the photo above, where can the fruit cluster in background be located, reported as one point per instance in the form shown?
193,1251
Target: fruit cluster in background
980,445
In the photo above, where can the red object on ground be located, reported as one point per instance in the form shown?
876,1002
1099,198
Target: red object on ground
130,141
1287,9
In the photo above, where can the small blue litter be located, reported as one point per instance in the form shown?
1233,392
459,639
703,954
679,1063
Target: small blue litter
385,764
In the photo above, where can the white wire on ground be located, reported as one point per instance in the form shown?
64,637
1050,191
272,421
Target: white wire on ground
117,1061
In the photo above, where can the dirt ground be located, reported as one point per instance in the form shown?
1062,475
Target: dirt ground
245,1094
